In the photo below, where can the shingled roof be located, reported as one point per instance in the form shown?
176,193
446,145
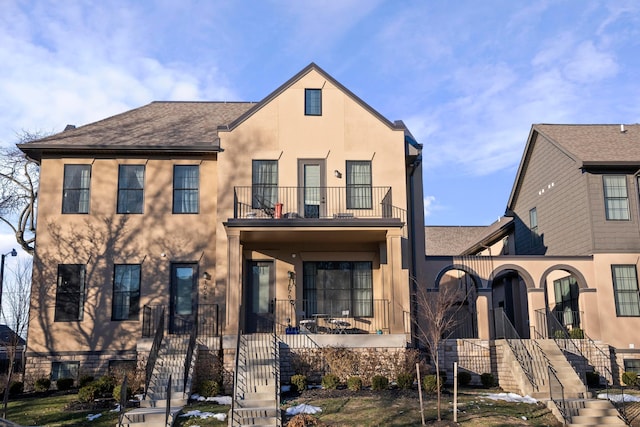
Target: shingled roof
186,126
595,143
464,240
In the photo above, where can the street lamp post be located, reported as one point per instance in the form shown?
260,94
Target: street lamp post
12,253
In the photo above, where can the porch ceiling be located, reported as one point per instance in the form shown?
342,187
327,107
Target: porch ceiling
271,235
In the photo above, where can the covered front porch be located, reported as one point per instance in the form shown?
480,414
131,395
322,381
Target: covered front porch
342,277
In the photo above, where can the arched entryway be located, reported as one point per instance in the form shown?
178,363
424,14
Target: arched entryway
563,285
509,298
464,311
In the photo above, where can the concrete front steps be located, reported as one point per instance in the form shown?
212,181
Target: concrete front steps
597,413
256,399
153,409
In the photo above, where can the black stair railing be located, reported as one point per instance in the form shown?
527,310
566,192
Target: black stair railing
505,329
556,393
190,349
155,348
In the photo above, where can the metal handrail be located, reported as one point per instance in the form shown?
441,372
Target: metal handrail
276,374
189,356
153,354
561,403
123,400
167,411
518,348
562,338
235,374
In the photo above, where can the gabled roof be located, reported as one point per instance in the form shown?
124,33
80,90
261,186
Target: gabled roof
306,70
464,240
169,126
611,145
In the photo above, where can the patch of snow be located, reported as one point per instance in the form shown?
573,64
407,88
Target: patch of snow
510,397
92,417
303,409
285,388
220,400
204,415
117,408
524,418
620,397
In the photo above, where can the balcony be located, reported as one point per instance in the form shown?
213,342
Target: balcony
255,202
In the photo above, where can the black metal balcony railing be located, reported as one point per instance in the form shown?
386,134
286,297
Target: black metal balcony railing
315,202
206,317
357,316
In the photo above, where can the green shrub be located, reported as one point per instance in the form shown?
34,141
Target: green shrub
330,381
104,386
405,380
88,393
16,387
209,388
116,392
379,382
593,378
630,379
64,384
430,384
487,379
559,334
299,382
464,378
354,383
42,384
84,380
576,333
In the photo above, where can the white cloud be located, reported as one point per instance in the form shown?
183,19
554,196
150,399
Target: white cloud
74,63
429,205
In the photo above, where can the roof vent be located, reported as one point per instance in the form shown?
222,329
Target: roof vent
622,129
69,127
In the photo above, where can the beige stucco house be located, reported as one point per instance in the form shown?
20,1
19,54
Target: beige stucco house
298,214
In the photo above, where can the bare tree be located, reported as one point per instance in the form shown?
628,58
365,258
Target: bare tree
437,319
19,177
16,316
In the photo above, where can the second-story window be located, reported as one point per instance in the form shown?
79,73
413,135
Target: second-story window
264,184
75,191
616,200
313,102
130,189
126,292
186,183
533,226
359,185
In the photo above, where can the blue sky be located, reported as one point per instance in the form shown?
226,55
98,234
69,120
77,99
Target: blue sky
468,77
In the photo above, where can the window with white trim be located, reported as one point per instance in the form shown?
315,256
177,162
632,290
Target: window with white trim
625,288
616,199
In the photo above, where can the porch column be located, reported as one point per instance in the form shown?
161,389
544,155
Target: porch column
234,280
483,313
535,299
589,314
396,282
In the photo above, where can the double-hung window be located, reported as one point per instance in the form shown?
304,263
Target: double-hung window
625,288
126,292
130,189
186,184
338,287
359,190
75,191
70,292
313,102
616,200
264,184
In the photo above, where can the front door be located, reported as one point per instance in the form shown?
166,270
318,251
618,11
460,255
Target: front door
311,180
260,297
184,296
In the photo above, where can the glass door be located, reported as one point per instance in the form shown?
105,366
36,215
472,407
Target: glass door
260,297
311,179
183,299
